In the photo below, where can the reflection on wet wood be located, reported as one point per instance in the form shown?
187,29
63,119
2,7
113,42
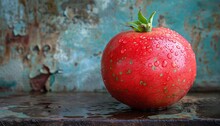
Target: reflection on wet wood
101,108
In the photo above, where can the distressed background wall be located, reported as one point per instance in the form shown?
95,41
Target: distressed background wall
58,45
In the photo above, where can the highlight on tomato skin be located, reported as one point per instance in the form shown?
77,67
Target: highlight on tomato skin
148,68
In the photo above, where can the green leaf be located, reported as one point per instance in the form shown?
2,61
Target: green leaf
151,17
141,18
137,22
136,26
142,24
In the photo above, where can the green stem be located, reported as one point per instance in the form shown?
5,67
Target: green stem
142,24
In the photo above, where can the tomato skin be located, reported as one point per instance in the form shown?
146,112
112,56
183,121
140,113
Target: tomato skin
148,70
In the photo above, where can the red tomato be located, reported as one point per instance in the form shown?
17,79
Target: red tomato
148,70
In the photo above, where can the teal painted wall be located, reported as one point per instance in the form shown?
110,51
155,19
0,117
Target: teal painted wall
57,45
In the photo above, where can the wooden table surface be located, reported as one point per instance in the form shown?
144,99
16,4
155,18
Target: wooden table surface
55,109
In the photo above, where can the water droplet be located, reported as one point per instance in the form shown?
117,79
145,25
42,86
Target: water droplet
150,64
173,64
169,55
176,54
171,50
158,46
157,63
178,47
184,80
182,51
161,38
142,37
135,43
120,40
144,47
171,40
150,50
123,50
164,63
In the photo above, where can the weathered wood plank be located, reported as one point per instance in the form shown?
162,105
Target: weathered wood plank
82,109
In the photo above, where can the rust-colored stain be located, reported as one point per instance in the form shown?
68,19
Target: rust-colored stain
23,2
36,44
138,3
216,18
196,37
215,41
195,34
38,83
10,38
42,43
51,6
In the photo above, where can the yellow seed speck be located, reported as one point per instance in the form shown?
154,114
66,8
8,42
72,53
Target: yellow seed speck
153,68
173,95
165,90
116,78
129,71
113,74
141,82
